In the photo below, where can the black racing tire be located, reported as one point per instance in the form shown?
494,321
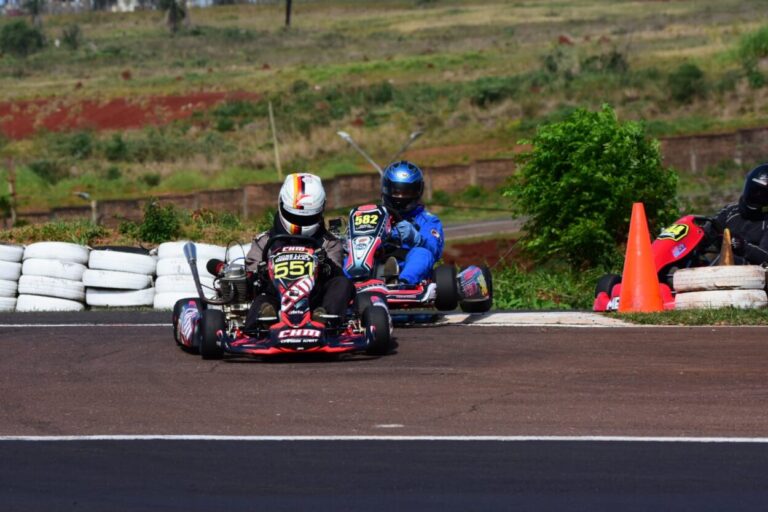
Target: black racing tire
606,284
447,293
377,318
175,321
212,321
363,301
485,305
121,248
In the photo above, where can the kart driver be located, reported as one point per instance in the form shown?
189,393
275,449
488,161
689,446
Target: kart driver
420,232
300,212
747,219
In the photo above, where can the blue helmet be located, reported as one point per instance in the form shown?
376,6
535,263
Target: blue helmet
402,186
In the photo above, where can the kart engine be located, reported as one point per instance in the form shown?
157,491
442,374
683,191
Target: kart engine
235,288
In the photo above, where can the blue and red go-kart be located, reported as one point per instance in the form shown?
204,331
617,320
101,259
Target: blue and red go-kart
292,266
371,251
692,241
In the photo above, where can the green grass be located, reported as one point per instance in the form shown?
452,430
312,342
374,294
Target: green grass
543,288
725,316
472,74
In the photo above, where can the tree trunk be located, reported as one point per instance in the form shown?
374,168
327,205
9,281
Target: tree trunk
288,4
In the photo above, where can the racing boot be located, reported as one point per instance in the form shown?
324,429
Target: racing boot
391,270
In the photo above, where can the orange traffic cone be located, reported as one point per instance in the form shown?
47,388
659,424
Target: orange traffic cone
639,282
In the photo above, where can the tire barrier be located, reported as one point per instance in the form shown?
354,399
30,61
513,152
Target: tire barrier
739,286
119,277
62,276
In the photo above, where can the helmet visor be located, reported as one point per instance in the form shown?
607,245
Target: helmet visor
301,220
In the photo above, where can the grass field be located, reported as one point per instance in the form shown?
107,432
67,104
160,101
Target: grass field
475,75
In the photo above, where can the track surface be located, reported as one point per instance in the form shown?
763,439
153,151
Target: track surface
451,380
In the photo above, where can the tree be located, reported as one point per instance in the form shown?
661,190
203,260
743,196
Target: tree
35,9
176,12
578,182
20,39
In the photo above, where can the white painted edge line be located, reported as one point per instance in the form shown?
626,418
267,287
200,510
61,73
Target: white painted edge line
623,439
167,324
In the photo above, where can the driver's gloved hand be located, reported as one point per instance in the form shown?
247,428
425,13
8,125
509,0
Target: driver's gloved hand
408,233
739,245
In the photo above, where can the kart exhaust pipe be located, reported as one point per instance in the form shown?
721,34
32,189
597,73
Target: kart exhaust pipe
190,252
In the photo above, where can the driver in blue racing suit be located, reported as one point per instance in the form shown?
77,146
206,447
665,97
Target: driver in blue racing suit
420,232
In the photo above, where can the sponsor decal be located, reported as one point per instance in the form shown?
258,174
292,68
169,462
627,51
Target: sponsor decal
188,320
674,232
435,233
403,175
299,333
678,250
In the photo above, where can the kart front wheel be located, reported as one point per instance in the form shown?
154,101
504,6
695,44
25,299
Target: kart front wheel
606,284
177,325
211,323
482,306
376,322
447,292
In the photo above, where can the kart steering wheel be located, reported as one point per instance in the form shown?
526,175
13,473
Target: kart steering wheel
301,239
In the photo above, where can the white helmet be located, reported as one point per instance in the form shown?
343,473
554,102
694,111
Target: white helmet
301,204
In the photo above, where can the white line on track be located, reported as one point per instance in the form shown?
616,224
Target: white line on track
607,439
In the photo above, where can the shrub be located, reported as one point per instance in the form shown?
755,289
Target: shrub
115,149
77,145
20,39
753,47
578,182
72,36
160,223
49,170
488,90
687,83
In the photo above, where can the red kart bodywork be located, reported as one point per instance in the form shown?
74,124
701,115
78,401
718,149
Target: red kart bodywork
676,246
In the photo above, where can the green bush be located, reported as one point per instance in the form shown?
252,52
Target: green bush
686,83
160,224
49,170
578,183
20,39
72,36
752,48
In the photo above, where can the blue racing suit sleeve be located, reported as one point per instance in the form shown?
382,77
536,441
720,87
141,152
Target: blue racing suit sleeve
431,231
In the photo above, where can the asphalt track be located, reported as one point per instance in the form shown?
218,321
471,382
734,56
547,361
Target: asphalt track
459,381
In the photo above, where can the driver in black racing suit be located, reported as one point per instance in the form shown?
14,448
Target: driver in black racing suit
747,220
300,212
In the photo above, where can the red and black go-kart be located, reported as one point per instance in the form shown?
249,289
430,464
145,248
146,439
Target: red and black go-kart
692,241
292,268
369,245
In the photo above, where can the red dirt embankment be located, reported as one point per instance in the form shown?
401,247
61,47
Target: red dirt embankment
23,118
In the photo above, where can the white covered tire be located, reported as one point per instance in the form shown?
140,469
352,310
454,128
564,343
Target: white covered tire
732,277
57,250
112,298
205,252
181,283
116,280
168,299
122,261
52,287
53,268
13,253
179,266
38,303
8,288
7,304
10,271
713,299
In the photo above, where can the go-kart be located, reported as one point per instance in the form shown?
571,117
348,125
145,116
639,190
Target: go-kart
292,268
372,241
692,241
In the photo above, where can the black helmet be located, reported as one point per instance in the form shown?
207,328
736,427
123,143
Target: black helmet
401,187
755,196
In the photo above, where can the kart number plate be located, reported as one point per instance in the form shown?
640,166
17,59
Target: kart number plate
293,268
366,221
674,232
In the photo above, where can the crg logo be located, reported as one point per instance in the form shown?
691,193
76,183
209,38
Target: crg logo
299,333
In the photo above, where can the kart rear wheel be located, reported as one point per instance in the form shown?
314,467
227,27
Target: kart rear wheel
606,284
482,306
376,319
175,321
447,293
211,322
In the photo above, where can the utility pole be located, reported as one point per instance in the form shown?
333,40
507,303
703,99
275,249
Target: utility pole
274,142
288,4
12,190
